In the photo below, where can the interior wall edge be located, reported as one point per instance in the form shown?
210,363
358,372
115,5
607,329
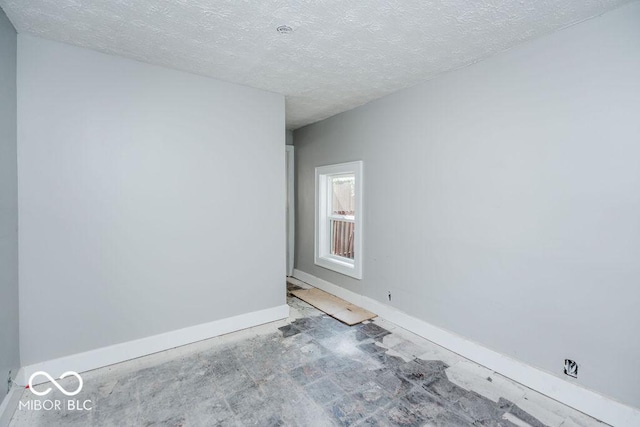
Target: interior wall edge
9,280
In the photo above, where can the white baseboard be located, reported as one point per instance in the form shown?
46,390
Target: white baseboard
105,356
9,404
582,399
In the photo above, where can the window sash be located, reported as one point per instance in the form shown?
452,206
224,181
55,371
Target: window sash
330,178
344,218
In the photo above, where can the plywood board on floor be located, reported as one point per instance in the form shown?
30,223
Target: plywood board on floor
334,306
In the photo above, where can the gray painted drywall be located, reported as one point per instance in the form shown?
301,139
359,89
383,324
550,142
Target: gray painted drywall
9,348
502,201
289,137
150,199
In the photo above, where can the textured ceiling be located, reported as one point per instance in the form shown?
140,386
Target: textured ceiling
341,53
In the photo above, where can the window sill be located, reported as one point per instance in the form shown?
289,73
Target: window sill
339,265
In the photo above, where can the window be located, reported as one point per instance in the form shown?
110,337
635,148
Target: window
339,218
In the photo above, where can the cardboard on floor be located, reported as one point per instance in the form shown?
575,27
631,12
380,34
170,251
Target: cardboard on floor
334,306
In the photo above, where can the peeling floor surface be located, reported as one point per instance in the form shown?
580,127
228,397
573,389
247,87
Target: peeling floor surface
308,370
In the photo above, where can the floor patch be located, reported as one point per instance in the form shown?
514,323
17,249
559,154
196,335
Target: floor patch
314,371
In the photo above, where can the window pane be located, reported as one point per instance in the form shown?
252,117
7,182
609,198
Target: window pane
343,200
342,233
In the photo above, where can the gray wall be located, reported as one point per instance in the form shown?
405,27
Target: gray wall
502,201
150,199
9,349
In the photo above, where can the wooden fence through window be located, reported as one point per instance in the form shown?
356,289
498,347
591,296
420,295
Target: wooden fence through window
342,238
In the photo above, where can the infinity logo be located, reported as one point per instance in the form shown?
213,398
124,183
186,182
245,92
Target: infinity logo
55,383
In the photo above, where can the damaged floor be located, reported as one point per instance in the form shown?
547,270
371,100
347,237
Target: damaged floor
308,370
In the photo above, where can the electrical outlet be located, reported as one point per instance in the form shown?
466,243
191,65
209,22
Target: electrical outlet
389,295
571,368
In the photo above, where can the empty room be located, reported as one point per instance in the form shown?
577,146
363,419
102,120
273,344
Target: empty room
320,213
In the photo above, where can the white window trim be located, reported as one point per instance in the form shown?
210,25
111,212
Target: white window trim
323,257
